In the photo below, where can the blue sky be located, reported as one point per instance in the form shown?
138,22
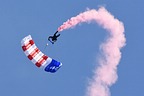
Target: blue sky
76,48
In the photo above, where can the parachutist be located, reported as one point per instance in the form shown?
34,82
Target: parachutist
53,38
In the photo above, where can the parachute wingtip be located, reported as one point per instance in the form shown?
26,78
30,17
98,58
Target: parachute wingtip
26,38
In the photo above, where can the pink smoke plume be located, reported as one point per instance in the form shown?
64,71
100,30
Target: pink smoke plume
106,73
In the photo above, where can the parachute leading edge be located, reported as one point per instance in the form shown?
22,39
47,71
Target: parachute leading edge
37,57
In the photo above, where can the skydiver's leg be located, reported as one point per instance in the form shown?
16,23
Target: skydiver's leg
58,35
55,33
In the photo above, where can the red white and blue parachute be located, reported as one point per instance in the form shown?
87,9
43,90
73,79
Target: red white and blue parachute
37,57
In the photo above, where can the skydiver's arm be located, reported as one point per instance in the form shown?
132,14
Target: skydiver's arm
49,37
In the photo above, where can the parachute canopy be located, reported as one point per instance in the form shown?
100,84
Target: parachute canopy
37,57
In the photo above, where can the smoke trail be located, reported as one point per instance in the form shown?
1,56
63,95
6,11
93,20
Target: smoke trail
106,73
